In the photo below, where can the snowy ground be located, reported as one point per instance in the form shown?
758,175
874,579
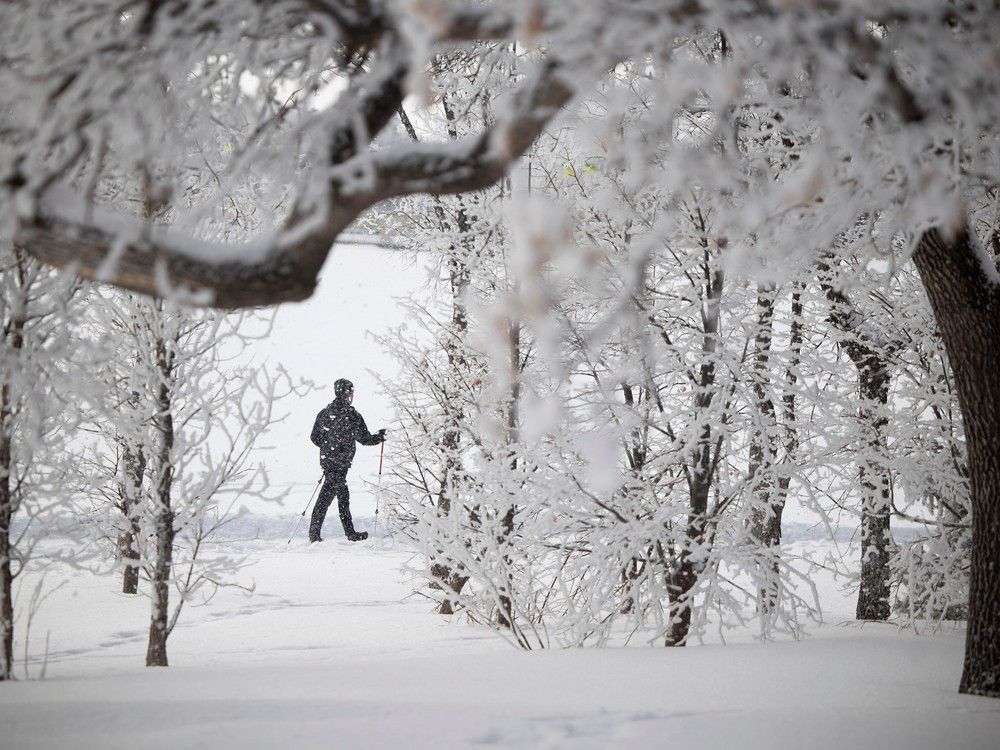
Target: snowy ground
333,651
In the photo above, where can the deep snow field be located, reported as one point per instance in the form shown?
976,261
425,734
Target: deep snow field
333,650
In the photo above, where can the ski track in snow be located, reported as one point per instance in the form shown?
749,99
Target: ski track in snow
333,650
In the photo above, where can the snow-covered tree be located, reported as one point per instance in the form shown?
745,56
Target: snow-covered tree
185,404
895,109
39,311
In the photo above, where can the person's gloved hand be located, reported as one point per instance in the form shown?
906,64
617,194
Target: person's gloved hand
381,435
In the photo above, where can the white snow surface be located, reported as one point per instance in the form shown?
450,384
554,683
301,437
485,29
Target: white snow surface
333,650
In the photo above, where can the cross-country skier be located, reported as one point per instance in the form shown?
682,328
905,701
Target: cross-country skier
335,431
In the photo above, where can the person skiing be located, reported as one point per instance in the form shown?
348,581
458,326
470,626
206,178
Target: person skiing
335,431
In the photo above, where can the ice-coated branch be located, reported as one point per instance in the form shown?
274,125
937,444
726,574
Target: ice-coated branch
64,233
478,161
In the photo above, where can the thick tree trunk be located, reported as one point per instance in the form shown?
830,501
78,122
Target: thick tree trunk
874,376
873,591
684,579
961,282
156,651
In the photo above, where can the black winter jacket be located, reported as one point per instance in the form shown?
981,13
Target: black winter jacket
335,431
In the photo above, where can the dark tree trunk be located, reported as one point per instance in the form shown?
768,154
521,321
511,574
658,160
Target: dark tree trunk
704,461
163,516
130,573
449,580
767,524
505,615
6,577
873,591
636,453
683,580
965,296
765,515
874,376
133,468
15,336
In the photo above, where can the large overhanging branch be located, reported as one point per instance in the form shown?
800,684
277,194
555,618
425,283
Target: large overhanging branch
285,266
64,232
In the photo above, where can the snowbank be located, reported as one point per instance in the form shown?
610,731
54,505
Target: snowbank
333,651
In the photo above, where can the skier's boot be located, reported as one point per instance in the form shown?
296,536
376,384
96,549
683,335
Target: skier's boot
357,536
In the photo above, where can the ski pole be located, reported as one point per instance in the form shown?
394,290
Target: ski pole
378,490
313,495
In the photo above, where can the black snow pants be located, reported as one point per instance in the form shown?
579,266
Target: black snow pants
334,485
